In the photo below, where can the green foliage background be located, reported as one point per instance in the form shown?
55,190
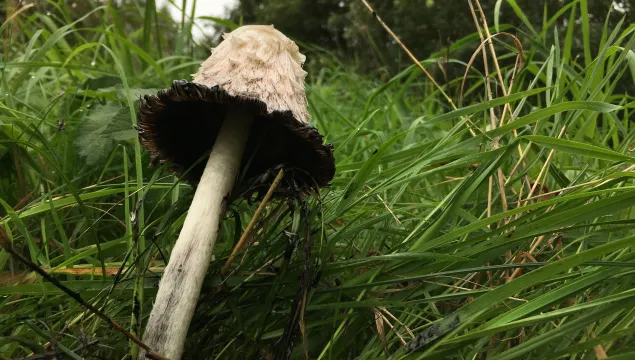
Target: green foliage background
427,26
499,226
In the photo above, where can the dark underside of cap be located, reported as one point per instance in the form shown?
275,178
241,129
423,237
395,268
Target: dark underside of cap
179,126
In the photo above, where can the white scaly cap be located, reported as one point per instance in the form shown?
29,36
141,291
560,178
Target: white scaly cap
259,62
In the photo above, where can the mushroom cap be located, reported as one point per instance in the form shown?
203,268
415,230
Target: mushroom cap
259,70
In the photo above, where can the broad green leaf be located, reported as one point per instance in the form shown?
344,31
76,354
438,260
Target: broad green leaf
101,130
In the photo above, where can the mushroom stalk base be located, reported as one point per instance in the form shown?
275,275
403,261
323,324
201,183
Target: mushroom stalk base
183,277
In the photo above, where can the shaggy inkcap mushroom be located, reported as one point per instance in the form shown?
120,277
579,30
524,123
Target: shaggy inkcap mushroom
247,107
258,69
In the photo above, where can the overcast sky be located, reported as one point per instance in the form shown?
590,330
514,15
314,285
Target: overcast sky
203,8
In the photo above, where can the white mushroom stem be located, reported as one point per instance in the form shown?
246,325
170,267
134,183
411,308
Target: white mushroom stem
182,280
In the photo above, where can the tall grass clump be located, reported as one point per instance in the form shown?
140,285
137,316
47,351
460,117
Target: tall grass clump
488,217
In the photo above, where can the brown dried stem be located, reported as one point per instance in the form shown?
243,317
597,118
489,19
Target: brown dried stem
6,243
254,220
418,63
